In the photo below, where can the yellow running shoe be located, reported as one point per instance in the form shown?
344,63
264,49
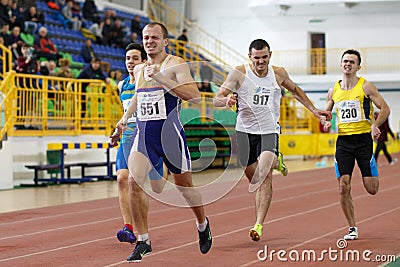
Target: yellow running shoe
282,167
256,232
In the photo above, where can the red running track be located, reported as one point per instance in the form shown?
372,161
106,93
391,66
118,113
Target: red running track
304,218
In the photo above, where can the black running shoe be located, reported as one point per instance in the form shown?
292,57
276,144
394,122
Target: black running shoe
205,239
141,249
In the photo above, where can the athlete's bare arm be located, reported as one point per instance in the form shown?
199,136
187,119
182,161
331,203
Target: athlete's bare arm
231,84
372,92
176,77
284,80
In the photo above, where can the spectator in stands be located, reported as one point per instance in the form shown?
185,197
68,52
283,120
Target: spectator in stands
32,18
89,10
183,36
52,66
133,38
17,16
64,70
28,61
16,42
106,31
45,46
93,71
87,51
28,64
48,67
115,77
4,12
108,13
96,29
135,25
117,34
77,12
5,34
73,23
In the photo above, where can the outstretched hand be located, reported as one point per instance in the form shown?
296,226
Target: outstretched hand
114,137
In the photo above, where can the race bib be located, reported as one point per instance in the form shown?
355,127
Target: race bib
151,106
349,111
259,97
125,104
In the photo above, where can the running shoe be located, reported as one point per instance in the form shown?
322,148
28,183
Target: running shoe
282,167
126,235
352,235
256,232
141,249
205,239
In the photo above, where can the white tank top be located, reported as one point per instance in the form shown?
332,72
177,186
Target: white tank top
259,103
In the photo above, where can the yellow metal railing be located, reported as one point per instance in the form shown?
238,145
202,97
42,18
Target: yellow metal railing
5,61
326,61
193,56
40,105
295,118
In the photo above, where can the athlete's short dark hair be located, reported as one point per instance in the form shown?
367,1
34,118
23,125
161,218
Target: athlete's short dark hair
139,47
353,52
258,44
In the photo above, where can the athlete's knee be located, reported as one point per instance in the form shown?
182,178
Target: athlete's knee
122,180
344,186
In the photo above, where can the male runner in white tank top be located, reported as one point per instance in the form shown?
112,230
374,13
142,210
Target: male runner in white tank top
256,88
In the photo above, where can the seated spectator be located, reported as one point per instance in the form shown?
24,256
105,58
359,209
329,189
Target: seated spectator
106,31
115,77
136,26
32,18
17,16
5,33
48,67
117,34
72,22
64,70
133,38
87,52
93,71
89,9
16,42
4,13
46,46
110,14
28,62
183,36
96,29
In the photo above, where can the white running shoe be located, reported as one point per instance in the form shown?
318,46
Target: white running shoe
394,160
352,235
